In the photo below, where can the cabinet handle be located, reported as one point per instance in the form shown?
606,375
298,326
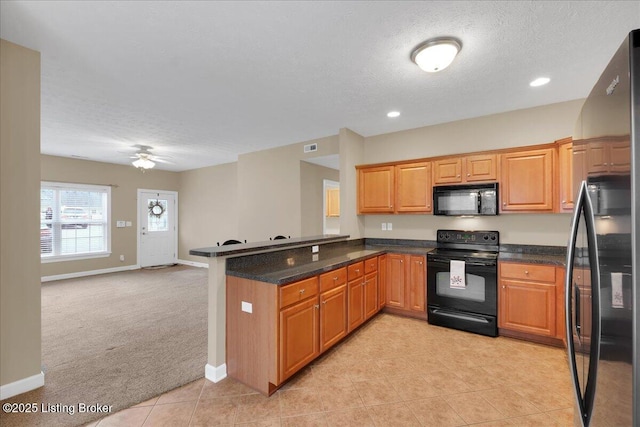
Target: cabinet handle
335,278
457,176
605,164
504,203
420,262
564,202
401,260
468,174
526,272
301,291
317,306
502,286
324,302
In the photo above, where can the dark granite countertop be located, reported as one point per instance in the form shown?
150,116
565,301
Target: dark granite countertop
281,272
528,258
248,248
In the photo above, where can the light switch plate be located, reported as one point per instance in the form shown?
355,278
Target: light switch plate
129,223
120,224
247,307
389,226
384,226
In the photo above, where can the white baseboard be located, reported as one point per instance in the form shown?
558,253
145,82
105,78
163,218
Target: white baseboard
88,273
22,386
193,263
215,374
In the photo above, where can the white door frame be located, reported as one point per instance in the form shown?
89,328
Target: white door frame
145,190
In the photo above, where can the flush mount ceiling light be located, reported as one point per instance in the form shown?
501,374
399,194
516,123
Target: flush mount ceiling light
393,114
436,54
540,81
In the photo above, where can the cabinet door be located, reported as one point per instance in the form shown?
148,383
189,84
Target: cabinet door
447,171
375,189
527,181
619,157
370,294
565,162
333,202
597,158
527,307
299,343
382,281
355,308
417,283
333,316
395,281
413,187
579,167
481,167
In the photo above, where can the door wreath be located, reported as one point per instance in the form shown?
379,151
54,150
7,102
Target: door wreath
156,209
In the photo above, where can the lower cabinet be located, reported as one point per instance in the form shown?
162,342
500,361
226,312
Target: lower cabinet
531,301
274,331
406,283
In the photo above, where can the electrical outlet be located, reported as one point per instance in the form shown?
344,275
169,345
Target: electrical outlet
247,307
121,257
384,226
389,226
315,249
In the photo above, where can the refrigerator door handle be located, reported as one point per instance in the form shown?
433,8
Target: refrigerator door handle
568,287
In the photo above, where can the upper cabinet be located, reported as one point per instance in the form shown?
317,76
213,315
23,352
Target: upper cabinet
608,158
527,181
462,169
333,202
375,189
565,165
413,187
402,188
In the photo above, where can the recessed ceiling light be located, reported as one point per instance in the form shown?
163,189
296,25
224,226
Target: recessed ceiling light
393,113
436,54
540,81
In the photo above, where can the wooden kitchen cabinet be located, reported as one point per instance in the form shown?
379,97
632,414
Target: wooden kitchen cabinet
608,157
527,181
406,283
531,302
333,202
376,189
465,169
355,295
333,307
277,330
299,343
382,281
565,165
413,187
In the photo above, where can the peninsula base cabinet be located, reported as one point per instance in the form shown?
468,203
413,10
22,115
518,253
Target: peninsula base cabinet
406,285
274,331
531,302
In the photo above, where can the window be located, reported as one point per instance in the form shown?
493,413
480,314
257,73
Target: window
74,221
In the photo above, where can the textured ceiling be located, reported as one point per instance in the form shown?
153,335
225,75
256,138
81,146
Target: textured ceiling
202,82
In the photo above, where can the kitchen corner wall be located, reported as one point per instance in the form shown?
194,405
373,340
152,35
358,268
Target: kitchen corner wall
530,126
125,181
269,189
20,331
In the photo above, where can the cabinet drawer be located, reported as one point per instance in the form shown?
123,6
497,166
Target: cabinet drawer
333,279
537,272
370,265
298,291
355,270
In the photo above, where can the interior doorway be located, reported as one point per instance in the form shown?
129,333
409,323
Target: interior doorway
157,227
331,207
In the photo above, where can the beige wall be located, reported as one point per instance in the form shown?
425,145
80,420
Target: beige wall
312,196
208,208
19,217
351,154
516,128
269,189
125,181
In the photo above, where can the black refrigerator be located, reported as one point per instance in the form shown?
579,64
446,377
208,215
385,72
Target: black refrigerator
601,284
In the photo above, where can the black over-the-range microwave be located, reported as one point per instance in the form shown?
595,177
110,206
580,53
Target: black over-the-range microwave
475,199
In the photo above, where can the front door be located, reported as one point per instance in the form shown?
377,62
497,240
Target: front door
157,231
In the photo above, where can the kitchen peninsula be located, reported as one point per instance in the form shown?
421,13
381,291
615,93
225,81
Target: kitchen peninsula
276,306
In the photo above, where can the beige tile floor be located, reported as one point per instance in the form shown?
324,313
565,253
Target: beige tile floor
394,371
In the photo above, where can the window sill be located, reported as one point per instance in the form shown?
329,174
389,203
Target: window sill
74,257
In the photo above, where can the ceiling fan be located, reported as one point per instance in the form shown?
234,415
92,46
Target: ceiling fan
145,159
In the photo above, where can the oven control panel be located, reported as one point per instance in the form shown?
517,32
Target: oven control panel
468,237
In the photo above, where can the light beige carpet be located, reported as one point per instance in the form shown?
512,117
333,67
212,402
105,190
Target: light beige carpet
117,339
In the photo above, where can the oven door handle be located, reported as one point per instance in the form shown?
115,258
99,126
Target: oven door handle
476,263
